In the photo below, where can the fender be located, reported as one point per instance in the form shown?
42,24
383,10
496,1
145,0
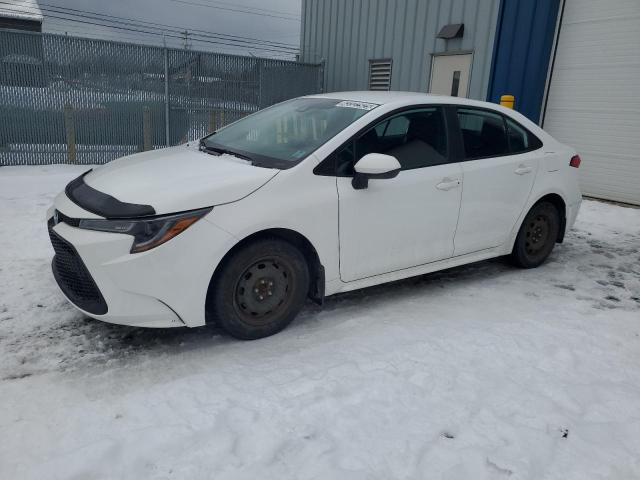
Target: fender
532,201
316,268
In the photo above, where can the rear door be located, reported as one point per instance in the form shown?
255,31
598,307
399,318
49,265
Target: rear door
500,163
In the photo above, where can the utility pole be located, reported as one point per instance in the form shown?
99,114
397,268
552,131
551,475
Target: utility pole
167,137
185,39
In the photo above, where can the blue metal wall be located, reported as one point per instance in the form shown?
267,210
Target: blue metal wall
522,52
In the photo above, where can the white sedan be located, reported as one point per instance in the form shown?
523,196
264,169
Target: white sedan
311,197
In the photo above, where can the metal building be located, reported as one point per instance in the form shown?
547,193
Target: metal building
572,65
593,100
21,15
353,36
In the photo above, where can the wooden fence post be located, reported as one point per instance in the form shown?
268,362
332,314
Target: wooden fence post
146,128
70,133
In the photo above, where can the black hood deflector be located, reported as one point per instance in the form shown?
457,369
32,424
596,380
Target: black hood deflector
102,204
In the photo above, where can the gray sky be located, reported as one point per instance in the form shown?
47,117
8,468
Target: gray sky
215,16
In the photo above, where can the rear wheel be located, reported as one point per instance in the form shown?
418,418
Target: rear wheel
260,289
537,236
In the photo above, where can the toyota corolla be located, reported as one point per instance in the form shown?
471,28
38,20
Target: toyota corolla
305,199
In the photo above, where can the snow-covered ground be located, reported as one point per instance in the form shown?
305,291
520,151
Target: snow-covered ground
480,372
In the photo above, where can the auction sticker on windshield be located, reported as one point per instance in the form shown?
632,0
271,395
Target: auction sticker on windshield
358,105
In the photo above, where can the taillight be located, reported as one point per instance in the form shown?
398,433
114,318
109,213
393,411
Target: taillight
575,161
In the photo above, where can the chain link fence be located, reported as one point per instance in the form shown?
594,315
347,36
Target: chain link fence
76,100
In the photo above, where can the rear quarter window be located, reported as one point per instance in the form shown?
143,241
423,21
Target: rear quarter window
520,139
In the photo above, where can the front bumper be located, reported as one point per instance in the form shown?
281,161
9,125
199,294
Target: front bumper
163,287
73,277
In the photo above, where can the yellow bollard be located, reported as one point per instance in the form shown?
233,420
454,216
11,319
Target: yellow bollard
507,101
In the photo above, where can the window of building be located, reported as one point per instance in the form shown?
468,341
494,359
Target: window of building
483,133
455,83
380,74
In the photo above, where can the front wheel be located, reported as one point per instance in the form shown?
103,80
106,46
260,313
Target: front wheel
537,236
260,289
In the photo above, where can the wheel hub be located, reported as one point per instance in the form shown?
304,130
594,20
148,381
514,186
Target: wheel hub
263,288
537,233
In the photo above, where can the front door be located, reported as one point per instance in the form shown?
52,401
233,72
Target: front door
406,221
450,75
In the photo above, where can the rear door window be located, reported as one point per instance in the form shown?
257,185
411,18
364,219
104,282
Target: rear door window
483,133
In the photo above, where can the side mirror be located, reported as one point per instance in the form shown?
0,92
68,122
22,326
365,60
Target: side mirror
374,166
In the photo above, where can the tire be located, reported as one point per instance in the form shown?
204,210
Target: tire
259,290
537,236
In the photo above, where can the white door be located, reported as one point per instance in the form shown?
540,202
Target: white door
404,221
450,75
594,95
496,179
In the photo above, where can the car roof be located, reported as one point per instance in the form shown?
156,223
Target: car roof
406,99
402,98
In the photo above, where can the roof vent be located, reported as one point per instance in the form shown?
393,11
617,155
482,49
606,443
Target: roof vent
454,30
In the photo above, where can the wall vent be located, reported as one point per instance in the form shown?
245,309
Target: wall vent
380,74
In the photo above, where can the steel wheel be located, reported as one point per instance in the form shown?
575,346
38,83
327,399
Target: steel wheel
263,289
259,289
537,235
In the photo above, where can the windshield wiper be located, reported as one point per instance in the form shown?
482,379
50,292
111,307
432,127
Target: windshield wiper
221,151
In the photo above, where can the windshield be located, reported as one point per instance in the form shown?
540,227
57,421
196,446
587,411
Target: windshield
282,135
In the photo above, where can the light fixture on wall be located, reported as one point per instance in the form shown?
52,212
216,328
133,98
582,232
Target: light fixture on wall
454,30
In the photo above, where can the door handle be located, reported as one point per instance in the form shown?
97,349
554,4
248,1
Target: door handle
522,170
448,183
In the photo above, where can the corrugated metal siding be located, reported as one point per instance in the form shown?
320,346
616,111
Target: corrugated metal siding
346,34
594,103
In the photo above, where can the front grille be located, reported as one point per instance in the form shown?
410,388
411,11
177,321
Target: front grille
73,277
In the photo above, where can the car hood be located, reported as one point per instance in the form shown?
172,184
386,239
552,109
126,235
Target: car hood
178,178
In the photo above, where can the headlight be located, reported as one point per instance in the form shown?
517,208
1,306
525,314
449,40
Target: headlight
147,233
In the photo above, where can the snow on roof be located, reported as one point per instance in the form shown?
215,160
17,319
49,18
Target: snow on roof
21,9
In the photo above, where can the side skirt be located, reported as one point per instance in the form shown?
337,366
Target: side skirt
338,286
